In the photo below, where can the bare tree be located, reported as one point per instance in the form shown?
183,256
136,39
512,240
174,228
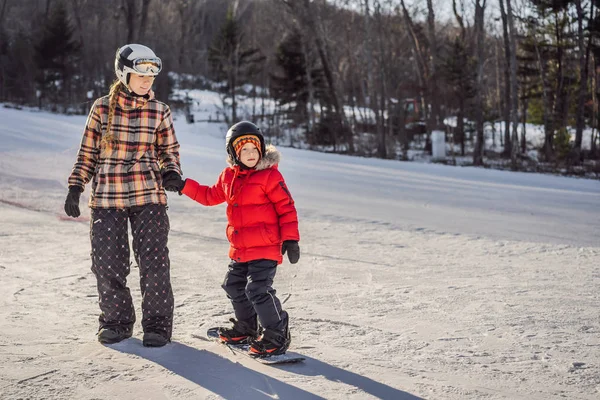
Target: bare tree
480,37
434,116
383,95
77,5
507,88
460,118
48,8
421,56
143,21
513,82
584,59
2,12
309,17
128,7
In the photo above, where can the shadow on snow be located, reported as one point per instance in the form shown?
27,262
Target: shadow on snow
232,380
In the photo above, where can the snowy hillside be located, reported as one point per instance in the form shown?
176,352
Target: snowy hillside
415,281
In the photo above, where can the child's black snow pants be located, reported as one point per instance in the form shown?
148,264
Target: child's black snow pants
249,287
110,264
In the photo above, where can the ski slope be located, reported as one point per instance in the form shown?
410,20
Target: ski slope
415,281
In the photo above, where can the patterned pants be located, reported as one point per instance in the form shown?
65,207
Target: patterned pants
249,287
110,263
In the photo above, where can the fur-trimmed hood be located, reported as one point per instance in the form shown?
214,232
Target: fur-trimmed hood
271,158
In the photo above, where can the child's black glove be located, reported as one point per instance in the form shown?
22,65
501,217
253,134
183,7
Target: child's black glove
72,201
293,250
172,182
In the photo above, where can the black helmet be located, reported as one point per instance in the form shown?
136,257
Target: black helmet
240,129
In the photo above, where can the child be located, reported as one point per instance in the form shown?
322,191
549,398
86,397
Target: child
128,140
262,226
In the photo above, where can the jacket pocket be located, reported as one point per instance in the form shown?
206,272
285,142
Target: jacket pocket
268,235
233,236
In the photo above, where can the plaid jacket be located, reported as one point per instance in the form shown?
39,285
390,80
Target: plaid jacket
130,174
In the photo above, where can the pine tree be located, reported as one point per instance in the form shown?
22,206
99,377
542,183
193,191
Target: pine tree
4,57
292,89
57,57
530,57
17,69
555,59
231,61
459,70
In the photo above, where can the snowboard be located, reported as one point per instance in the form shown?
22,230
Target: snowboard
287,358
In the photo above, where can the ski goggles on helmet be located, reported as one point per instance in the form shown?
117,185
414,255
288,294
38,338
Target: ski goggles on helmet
147,65
143,66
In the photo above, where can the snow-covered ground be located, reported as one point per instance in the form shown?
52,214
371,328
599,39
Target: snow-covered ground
415,281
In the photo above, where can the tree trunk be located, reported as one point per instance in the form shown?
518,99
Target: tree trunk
583,73
546,99
480,32
310,22
129,9
143,21
561,101
434,122
524,132
595,109
423,72
183,12
48,8
507,143
460,118
2,12
368,54
498,93
310,105
371,94
77,14
460,125
381,144
3,90
514,92
232,89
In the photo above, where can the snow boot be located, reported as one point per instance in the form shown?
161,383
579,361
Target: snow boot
241,332
155,339
271,343
114,334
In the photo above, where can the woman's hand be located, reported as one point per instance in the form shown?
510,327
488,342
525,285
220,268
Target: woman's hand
72,201
172,182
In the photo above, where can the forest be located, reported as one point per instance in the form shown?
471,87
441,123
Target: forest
369,78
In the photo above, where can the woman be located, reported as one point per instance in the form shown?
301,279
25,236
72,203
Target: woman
128,141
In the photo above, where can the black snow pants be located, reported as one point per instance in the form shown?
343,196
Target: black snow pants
110,263
249,287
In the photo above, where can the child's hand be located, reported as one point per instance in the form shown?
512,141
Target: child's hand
293,250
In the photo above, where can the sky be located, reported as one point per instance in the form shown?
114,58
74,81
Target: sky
416,280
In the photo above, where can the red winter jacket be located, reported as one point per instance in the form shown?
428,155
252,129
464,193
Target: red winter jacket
260,210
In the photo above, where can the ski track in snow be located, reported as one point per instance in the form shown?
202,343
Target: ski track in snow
391,308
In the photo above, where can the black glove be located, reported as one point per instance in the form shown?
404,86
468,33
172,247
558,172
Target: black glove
172,182
72,201
293,250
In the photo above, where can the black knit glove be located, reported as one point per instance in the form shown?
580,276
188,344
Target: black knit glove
172,181
72,201
293,250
